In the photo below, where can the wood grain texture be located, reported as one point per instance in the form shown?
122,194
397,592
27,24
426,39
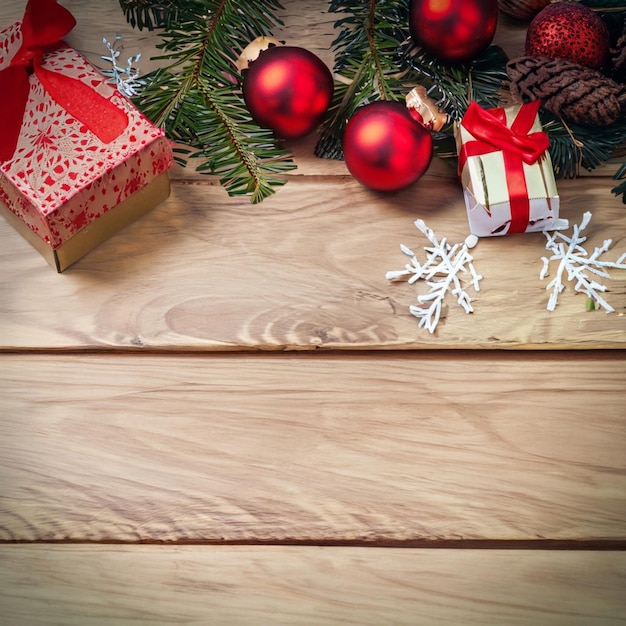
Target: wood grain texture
303,270
120,585
172,430
369,448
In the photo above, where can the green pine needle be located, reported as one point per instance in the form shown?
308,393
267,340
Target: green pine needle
367,59
196,98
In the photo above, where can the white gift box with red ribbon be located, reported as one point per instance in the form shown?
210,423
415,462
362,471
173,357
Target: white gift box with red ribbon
506,171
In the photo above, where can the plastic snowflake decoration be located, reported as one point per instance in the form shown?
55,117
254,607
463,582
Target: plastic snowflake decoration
126,79
441,272
573,259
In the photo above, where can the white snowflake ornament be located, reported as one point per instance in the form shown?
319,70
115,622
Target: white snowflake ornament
126,79
574,260
441,272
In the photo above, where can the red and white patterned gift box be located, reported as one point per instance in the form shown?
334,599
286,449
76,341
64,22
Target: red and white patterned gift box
62,178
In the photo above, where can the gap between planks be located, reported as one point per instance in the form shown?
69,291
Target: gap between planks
545,545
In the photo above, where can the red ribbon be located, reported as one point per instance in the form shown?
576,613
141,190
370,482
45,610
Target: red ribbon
44,25
518,146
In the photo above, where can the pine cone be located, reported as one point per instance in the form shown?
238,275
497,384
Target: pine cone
572,91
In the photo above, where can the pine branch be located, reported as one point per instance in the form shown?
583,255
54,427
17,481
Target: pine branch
453,87
197,98
367,61
377,60
150,14
620,190
574,147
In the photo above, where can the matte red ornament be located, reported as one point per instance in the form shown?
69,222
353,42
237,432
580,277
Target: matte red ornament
453,30
287,89
569,30
385,148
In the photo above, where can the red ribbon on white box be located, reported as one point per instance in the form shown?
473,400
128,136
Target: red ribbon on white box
517,144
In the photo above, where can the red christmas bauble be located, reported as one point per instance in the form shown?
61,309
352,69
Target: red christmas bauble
287,89
385,148
569,30
453,30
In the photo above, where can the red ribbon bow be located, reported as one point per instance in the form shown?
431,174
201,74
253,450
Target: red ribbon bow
517,145
44,25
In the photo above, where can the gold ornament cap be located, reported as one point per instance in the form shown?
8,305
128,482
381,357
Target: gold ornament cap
253,49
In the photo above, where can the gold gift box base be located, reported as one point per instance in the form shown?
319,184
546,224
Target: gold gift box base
86,239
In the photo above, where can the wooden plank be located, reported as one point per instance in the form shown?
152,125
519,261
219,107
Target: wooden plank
86,585
303,270
279,448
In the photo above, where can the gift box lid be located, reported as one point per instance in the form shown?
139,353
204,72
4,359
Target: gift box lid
56,156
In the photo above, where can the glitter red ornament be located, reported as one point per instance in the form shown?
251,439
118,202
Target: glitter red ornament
569,30
453,30
385,148
287,89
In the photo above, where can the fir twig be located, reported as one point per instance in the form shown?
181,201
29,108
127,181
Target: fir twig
620,190
377,60
196,98
574,147
367,60
150,14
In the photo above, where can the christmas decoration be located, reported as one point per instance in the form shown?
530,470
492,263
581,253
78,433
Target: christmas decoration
424,109
253,49
70,178
287,89
196,100
454,30
372,69
441,272
507,176
385,148
193,97
522,9
574,261
568,30
570,90
126,78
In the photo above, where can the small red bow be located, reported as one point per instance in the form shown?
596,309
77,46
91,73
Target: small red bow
517,144
489,126
44,25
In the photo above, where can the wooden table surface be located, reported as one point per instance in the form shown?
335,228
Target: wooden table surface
226,414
